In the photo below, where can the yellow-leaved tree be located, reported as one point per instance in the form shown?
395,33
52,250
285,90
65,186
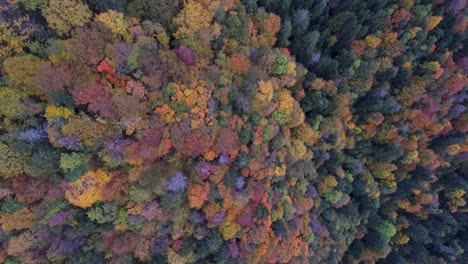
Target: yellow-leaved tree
263,97
114,21
87,190
63,15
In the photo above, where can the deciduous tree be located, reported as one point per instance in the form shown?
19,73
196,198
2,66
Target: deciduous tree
63,15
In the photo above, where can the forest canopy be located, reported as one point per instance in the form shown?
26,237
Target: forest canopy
233,131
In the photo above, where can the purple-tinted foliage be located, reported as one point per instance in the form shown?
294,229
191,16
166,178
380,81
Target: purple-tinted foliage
240,182
293,223
33,135
115,146
30,106
337,82
461,97
463,63
67,246
123,50
122,244
71,246
242,163
58,219
218,218
277,129
223,159
404,49
314,58
233,249
446,250
394,105
240,196
122,70
69,142
152,211
135,219
381,93
56,192
160,245
463,155
277,197
317,227
400,32
178,182
456,5
449,101
243,103
312,192
186,55
196,217
458,109
439,92
354,166
212,106
273,158
325,136
201,231
435,198
302,17
205,168
253,54
405,128
325,156
245,219
44,234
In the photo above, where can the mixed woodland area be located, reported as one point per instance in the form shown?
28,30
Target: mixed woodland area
233,131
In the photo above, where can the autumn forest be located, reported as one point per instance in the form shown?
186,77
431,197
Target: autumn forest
233,131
